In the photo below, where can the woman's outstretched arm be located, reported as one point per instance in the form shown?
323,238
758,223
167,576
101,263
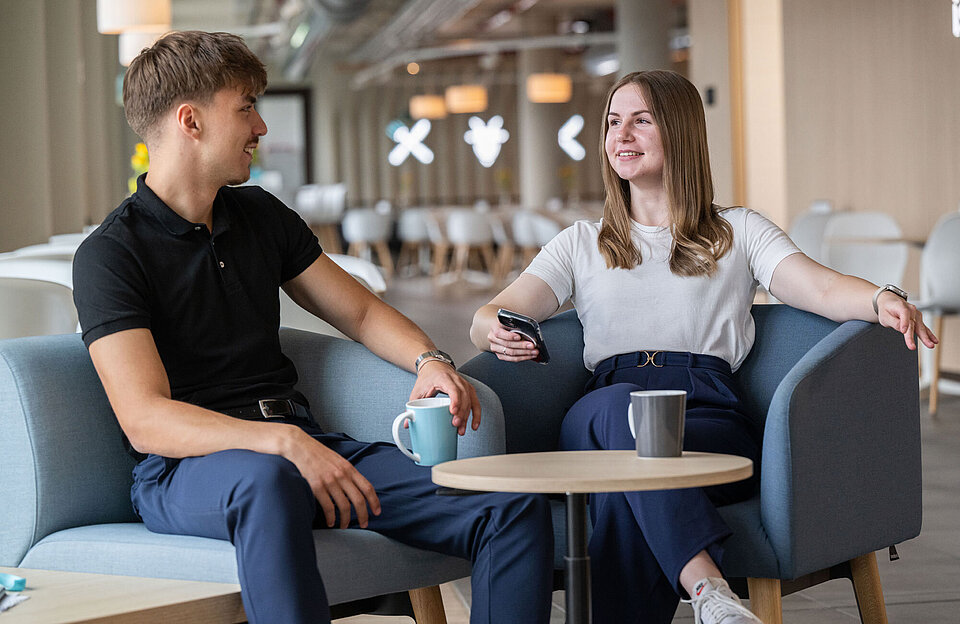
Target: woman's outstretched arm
805,284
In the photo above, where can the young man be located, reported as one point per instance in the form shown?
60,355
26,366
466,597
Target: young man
177,292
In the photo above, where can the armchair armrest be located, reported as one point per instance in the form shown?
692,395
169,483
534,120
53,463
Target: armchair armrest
841,472
353,391
64,462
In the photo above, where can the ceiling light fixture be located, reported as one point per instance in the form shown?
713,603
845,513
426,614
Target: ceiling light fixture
413,69
132,43
549,88
471,98
117,16
428,107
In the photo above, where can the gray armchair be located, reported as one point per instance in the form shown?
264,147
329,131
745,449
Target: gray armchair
840,472
66,476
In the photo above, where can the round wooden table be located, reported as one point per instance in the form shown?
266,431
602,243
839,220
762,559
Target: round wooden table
578,473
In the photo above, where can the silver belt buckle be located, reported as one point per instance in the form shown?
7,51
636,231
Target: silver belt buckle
275,408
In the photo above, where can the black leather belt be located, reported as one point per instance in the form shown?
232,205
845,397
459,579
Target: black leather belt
265,409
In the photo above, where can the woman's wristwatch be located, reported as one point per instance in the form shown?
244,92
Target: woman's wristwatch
894,289
437,355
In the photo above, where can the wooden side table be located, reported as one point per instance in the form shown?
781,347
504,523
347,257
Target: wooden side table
578,473
74,597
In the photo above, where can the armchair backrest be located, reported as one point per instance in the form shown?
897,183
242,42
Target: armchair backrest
534,408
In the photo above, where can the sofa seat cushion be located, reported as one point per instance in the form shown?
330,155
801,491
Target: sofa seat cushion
354,563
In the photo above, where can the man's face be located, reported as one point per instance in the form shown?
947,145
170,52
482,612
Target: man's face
232,128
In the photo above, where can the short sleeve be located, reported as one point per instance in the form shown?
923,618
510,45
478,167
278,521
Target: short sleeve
300,247
554,264
766,246
109,289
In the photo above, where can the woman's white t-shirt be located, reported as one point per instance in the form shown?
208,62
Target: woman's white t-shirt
648,307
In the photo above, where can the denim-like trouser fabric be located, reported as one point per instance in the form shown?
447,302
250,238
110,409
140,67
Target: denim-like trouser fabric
264,507
642,540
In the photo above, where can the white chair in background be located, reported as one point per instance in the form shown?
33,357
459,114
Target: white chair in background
469,231
531,231
808,228
413,230
56,271
867,245
292,315
367,230
940,296
33,307
322,206
44,251
73,238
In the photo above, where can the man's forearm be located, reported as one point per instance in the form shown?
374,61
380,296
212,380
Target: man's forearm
392,336
176,429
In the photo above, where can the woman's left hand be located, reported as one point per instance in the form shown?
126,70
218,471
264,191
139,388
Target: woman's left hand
906,319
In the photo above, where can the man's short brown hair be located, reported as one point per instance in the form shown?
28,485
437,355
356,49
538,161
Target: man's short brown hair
187,65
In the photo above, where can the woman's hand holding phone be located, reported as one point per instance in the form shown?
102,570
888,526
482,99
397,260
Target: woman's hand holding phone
517,338
510,346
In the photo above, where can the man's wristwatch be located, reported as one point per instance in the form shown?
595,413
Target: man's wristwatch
894,289
428,356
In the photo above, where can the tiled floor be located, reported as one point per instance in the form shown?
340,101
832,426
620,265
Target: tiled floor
920,588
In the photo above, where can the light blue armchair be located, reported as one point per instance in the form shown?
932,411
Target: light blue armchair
840,471
66,476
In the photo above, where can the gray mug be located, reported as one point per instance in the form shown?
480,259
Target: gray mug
656,421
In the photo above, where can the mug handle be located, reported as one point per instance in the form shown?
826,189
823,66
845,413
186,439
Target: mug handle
396,434
633,429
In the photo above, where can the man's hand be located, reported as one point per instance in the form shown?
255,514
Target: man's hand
435,376
336,483
905,318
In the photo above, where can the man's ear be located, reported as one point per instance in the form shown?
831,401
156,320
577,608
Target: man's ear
188,119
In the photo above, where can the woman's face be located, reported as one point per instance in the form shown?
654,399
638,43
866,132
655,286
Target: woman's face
633,144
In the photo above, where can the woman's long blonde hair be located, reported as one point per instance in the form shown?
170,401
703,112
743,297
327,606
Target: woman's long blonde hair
700,235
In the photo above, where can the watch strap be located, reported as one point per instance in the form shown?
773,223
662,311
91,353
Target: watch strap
887,287
437,355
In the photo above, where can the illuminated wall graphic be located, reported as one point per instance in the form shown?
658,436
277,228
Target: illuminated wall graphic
486,138
409,141
566,137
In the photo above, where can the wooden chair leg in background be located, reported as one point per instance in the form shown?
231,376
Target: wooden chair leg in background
765,599
866,584
383,255
935,373
428,605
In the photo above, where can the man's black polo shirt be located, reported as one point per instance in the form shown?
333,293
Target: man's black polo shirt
211,302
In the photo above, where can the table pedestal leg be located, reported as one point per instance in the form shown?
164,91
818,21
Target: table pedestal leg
577,561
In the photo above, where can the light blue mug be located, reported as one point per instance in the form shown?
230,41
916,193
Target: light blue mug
432,434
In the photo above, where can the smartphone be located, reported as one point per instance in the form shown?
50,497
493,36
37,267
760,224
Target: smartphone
526,327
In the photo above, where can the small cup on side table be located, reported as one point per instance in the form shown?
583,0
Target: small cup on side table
656,420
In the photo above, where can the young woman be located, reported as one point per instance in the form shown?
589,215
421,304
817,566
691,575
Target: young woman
668,277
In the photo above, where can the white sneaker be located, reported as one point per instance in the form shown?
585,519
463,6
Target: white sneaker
715,603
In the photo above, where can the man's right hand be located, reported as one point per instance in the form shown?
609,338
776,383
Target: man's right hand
336,483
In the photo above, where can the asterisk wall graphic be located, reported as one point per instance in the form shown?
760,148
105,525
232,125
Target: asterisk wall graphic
486,138
410,141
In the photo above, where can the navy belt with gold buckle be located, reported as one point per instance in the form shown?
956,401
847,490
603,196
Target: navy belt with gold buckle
657,359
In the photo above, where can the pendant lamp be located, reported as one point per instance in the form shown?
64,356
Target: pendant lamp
428,107
117,16
549,88
470,98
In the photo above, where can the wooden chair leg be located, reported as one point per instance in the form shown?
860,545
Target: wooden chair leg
489,258
439,258
383,255
428,605
461,255
866,584
765,599
935,373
